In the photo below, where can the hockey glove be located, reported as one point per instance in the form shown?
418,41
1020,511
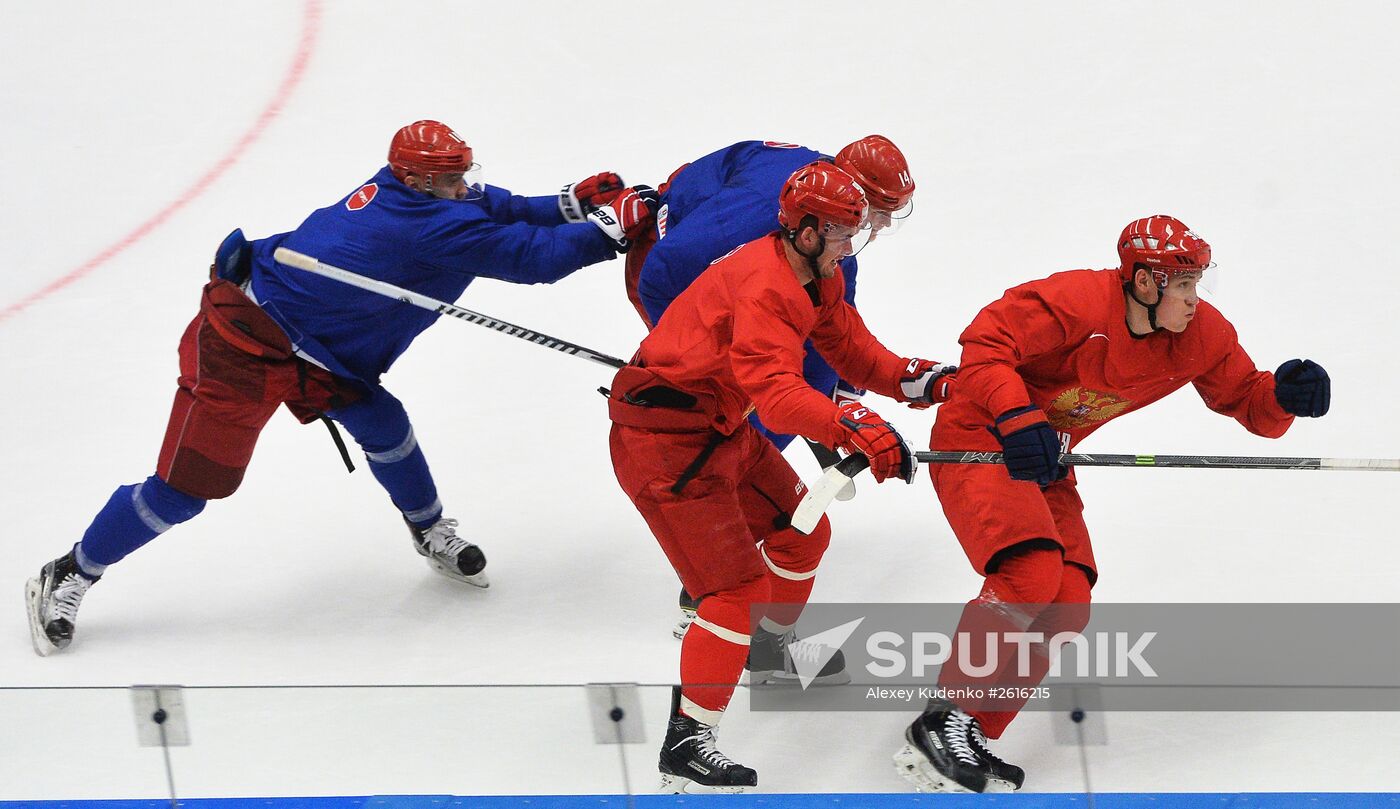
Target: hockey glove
1303,388
846,392
627,217
1029,445
578,200
890,455
926,383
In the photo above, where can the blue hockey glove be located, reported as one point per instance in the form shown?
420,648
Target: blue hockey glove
1303,388
1029,445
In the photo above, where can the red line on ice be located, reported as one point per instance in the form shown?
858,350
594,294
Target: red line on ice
311,21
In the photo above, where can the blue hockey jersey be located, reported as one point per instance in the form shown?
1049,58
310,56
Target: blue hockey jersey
387,231
713,205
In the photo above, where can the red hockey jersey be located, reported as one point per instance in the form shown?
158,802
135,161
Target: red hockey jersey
735,338
1062,344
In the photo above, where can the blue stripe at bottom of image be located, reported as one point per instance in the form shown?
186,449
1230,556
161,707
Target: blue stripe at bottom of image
1122,800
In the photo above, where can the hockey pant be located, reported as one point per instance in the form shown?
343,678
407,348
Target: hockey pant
236,368
720,507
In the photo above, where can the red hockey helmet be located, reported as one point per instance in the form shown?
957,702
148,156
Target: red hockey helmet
427,148
1164,245
823,191
880,168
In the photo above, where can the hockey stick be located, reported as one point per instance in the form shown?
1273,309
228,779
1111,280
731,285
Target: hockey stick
809,512
301,261
827,458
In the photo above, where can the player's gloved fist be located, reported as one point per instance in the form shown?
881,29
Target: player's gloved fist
926,383
890,455
628,216
577,200
1303,388
1029,445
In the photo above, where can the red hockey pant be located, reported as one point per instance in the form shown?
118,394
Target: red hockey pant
225,397
726,532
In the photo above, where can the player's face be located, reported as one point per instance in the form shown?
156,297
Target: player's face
839,244
1179,301
448,186
457,185
886,221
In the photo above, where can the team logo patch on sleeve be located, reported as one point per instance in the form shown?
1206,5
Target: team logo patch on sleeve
363,197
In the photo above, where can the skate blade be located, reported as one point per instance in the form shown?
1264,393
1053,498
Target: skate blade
680,785
922,775
42,645
475,580
998,785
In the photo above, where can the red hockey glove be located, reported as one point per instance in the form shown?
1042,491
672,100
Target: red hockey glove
578,200
872,436
926,383
628,216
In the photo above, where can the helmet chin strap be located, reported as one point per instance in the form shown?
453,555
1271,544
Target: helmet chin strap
811,257
1150,307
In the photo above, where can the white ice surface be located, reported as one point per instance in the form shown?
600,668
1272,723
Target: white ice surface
1035,131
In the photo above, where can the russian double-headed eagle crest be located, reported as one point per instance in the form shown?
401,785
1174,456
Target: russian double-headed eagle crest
1080,407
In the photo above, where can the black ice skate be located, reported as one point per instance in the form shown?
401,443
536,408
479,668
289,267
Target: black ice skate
449,554
688,607
53,599
942,755
781,660
690,762
1002,777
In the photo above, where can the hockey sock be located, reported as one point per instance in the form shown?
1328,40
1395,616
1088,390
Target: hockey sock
792,561
380,425
403,472
715,648
133,516
1010,601
1068,613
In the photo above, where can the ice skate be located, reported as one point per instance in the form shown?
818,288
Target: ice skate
688,607
52,600
1002,777
773,660
449,554
943,756
689,761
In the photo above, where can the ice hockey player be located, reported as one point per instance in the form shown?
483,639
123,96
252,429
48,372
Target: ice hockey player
709,486
725,199
267,335
1042,368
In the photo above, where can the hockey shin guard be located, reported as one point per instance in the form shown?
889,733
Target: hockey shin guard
380,425
715,648
133,516
792,560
